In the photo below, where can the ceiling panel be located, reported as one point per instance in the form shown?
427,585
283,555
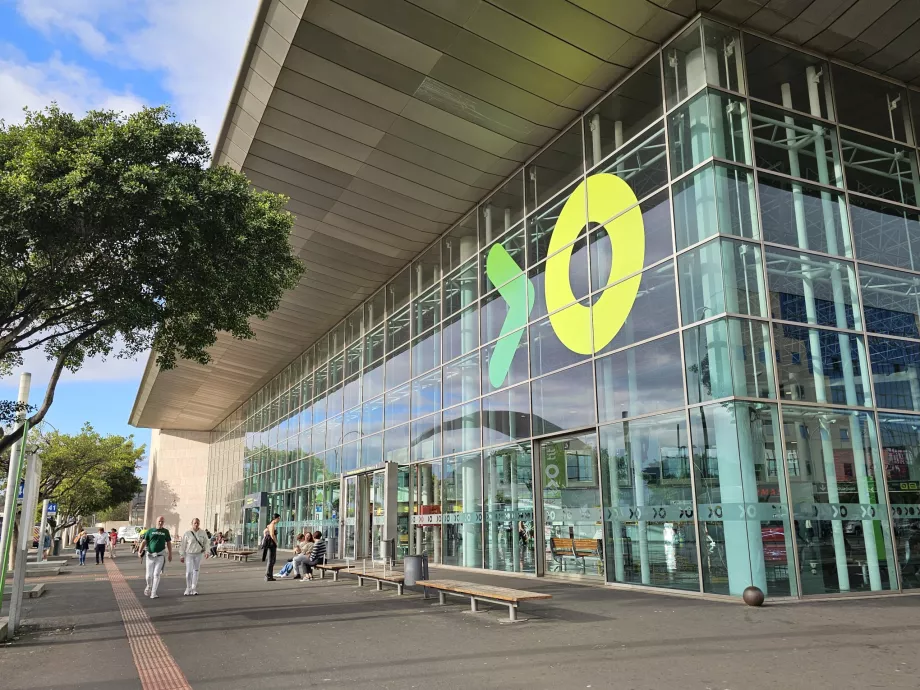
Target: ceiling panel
385,121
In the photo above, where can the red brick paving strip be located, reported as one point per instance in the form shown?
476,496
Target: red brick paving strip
155,665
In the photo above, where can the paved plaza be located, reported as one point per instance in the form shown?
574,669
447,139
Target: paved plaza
243,632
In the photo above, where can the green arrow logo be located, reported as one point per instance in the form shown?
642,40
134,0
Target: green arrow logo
518,291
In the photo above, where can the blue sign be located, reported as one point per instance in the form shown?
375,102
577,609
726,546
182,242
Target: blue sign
22,488
52,508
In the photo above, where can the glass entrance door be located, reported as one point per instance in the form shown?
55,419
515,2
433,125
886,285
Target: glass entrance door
350,517
572,531
365,515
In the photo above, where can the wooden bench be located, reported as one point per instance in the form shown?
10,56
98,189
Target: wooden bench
334,568
495,595
241,555
567,547
379,577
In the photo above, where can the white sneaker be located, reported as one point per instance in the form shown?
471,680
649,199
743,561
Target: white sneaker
146,591
195,593
154,596
186,593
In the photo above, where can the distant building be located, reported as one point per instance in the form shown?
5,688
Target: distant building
138,504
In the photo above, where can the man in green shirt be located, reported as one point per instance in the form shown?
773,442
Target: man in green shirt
158,542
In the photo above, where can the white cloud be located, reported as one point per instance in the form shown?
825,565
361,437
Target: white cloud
93,369
36,84
195,46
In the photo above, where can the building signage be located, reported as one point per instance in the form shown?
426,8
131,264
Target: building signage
611,202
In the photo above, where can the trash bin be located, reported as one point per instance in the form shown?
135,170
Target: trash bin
57,546
388,550
415,568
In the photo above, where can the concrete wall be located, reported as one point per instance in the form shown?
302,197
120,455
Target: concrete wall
178,478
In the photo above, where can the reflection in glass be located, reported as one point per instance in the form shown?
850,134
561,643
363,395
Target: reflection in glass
787,77
706,52
841,520
717,199
721,276
654,311
461,380
561,163
896,373
396,444
891,300
460,244
462,513
506,415
871,104
804,216
901,454
634,105
461,289
640,380
728,357
460,333
509,509
812,289
563,401
504,209
648,525
426,352
577,254
426,485
495,356
426,394
742,507
540,225
643,164
460,428
795,145
548,353
710,124
572,513
880,168
659,244
885,234
821,366
426,438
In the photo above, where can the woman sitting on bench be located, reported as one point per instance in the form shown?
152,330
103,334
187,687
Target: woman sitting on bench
302,554
317,555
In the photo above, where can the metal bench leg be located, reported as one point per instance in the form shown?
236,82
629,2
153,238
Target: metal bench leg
322,575
360,581
379,586
441,601
512,612
399,589
474,605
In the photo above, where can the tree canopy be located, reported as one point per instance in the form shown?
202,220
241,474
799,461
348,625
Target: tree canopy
116,236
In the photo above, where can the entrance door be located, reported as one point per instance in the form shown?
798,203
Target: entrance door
572,533
365,515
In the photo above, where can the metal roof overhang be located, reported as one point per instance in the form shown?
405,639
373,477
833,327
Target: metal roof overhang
385,121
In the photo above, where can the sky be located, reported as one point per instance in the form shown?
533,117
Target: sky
119,55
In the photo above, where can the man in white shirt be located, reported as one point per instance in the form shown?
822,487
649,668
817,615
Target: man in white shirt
101,539
192,548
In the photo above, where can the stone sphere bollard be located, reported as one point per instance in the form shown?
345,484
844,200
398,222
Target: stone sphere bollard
753,596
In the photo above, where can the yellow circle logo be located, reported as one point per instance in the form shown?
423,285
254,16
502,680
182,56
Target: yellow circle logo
607,195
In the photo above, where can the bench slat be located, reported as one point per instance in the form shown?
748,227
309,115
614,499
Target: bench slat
486,591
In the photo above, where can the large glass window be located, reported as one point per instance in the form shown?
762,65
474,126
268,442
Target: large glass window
426,437
896,373
880,168
462,515
506,415
728,357
821,366
885,234
900,440
803,216
717,199
711,124
721,276
503,210
742,506
871,104
891,300
706,53
648,525
654,312
787,77
812,289
640,380
509,510
841,519
563,401
555,168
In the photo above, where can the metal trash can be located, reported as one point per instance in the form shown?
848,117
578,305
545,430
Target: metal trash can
57,546
388,550
415,568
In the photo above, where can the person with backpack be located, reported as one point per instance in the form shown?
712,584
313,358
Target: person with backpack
192,548
157,540
81,542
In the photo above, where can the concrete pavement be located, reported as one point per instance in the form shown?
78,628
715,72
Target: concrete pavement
242,632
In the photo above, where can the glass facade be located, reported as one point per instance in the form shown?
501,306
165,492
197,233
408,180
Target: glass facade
679,348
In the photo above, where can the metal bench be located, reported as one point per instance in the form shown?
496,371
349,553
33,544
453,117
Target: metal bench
334,568
241,555
494,595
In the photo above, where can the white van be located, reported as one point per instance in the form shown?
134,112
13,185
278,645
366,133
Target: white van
128,533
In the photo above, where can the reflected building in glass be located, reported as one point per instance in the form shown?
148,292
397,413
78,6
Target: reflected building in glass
678,348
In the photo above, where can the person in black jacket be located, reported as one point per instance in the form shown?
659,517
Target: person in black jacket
270,547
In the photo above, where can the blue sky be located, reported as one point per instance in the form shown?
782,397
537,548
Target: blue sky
118,54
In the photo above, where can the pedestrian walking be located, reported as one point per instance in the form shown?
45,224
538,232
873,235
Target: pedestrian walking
158,544
270,547
102,538
82,543
192,548
113,540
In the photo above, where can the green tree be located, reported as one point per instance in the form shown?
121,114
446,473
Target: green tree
116,236
87,473
119,513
